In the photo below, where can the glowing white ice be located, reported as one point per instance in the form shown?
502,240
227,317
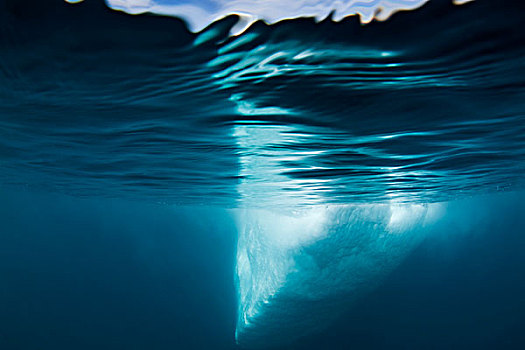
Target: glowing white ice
297,271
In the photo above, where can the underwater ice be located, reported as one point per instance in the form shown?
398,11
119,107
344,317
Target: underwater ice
296,271
299,266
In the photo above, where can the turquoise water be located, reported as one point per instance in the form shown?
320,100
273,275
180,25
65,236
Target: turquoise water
326,159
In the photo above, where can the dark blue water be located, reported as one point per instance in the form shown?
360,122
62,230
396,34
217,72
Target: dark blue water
302,185
425,106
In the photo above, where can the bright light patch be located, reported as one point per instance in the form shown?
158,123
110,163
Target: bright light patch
298,269
199,14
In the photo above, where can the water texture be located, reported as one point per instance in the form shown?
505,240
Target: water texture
426,106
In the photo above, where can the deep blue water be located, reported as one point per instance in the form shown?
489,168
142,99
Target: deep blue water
301,185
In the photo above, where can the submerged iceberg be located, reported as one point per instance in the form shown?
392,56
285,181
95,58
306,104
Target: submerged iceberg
297,271
297,266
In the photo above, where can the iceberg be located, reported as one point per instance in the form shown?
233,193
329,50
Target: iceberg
296,271
298,266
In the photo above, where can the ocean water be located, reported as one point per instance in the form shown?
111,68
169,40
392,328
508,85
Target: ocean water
273,175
